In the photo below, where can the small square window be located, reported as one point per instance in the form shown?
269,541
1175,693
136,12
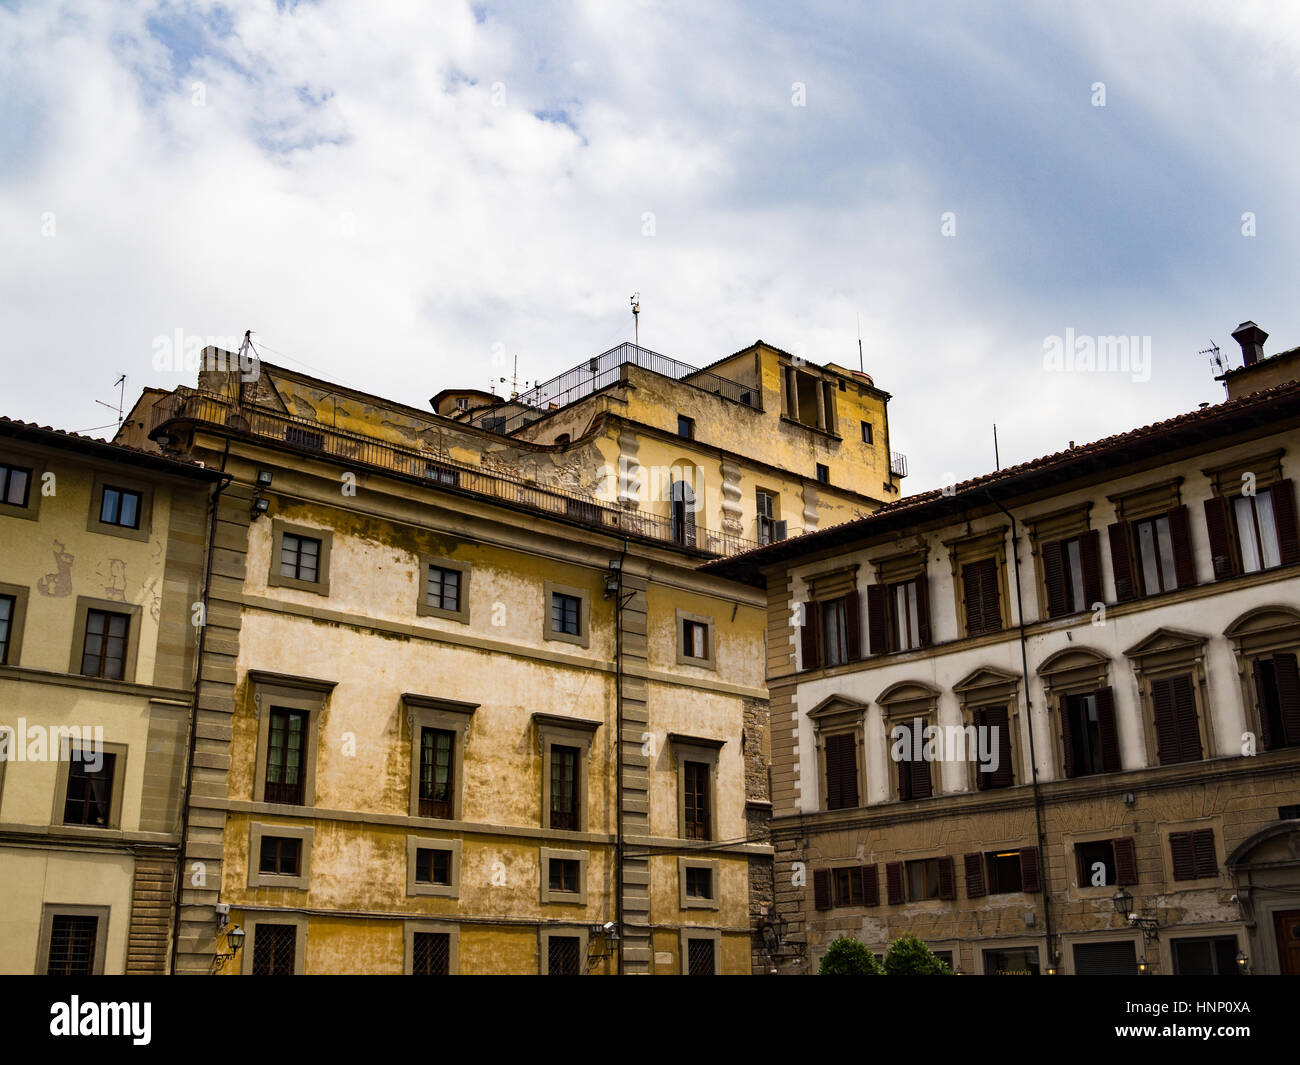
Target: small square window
923,880
89,796
103,654
433,867
15,484
563,956
566,614
280,856
120,506
823,473
442,588
1003,872
300,558
695,639
563,875
866,433
72,945
699,883
431,952
685,427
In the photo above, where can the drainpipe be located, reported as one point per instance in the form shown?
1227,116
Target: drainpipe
224,483
618,756
1033,758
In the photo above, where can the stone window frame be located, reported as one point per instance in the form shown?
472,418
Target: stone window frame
1126,934
17,621
696,749
63,770
307,694
1074,670
256,878
544,933
557,731
963,550
1222,876
111,479
1066,523
428,711
422,607
900,703
990,686
1169,652
838,716
298,920
450,930
690,902
50,910
568,898
896,567
85,604
27,459
710,661
1071,840
1226,478
1258,633
825,586
274,579
1151,500
414,844
583,636
685,935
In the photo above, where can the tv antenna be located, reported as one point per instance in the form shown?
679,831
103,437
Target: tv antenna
636,317
120,384
861,367
1213,352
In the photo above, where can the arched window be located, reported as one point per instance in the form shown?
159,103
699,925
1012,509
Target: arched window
683,499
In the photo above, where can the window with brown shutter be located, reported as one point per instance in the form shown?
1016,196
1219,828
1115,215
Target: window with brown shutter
1193,854
1126,870
1089,737
981,596
1029,875
1216,525
870,885
913,774
1178,737
974,864
841,771
822,889
1277,701
877,619
947,879
894,883
1003,872
809,638
846,886
1071,574
1181,537
1121,562
1282,496
995,720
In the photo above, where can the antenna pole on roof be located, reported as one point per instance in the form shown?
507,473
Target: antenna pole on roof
860,365
636,318
997,463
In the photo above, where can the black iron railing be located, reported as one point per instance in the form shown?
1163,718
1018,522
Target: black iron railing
898,464
308,436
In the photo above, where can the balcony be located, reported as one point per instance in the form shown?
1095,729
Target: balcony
304,436
897,464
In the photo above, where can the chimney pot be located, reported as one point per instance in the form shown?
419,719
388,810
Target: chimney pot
1251,338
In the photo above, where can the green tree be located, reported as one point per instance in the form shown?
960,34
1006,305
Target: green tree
908,956
848,957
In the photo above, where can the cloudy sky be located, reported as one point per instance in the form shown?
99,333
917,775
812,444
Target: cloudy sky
403,197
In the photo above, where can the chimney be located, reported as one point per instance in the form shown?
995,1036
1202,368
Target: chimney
1251,338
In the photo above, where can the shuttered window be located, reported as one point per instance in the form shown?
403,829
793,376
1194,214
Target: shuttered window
1277,701
1089,734
1072,574
913,771
1152,555
1193,854
854,885
841,771
981,596
1106,862
831,633
1249,533
1178,737
930,878
1116,958
994,720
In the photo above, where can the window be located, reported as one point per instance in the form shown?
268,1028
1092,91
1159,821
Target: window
927,878
898,616
73,940
1021,961
809,400
462,403
566,614
275,948
1155,554
866,433
563,875
1106,862
823,473
1277,694
1249,533
441,474
1152,554
430,954
853,885
120,506
88,799
280,855
15,485
564,787
695,640
1090,736
1114,958
437,773
700,953
284,756
905,618
1002,872
842,771
563,955
104,650
913,764
1178,737
683,513
1192,854
433,867
1256,530
13,608
696,784
846,887
995,722
299,558
685,427
8,604
769,529
442,588
699,884
1205,956
981,596
1072,574
832,631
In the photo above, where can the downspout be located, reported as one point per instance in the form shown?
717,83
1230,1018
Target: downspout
222,485
1033,757
618,755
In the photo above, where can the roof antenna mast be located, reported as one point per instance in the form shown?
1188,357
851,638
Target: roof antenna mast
997,462
861,367
120,384
636,317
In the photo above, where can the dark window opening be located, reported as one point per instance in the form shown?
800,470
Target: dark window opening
566,614
563,874
274,949
104,652
562,955
867,435
823,473
685,427
1206,956
89,798
436,771
696,798
433,866
699,883
699,957
695,639
1096,863
280,855
1003,870
304,438
15,486
442,588
431,954
285,749
1277,699
7,610
564,787
299,558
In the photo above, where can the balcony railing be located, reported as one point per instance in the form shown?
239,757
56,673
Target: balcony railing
352,449
898,464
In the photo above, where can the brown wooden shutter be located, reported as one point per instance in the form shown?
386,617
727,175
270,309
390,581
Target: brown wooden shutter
1067,737
997,717
947,878
1085,880
853,625
970,581
841,771
1183,853
923,610
822,889
920,778
992,609
1126,866
1166,721
1288,539
808,637
894,882
1180,537
1029,876
1216,524
1287,676
974,875
1054,578
1108,731
905,772
1189,734
980,587
1121,562
870,885
1203,847
877,619
1090,557
1261,707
